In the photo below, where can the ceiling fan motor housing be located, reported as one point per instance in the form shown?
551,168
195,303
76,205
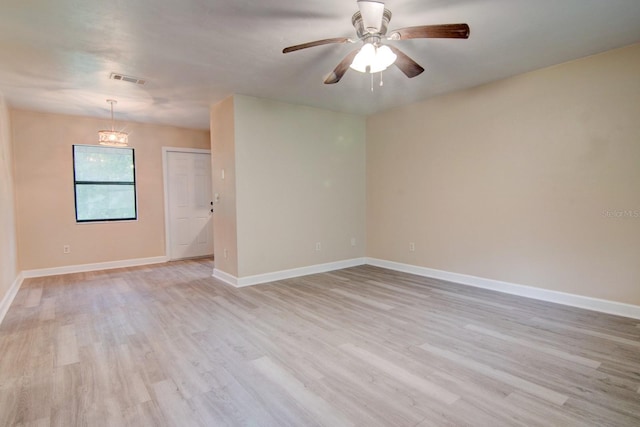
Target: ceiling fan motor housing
362,32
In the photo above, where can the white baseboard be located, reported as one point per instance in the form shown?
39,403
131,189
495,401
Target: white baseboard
596,304
257,279
68,269
225,277
10,296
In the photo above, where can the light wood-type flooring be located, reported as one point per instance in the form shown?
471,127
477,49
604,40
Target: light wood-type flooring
170,345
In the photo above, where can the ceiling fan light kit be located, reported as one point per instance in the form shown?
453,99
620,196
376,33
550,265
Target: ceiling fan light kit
373,59
371,23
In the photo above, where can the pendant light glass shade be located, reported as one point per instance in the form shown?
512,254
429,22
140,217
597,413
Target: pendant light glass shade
113,137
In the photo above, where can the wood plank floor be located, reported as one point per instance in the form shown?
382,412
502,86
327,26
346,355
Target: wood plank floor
168,345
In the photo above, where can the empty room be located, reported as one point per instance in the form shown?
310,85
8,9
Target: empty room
338,213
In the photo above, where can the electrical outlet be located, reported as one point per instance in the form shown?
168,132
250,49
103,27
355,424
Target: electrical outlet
353,241
318,246
412,247
225,253
66,249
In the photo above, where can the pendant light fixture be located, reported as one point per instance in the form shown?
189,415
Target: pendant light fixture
113,137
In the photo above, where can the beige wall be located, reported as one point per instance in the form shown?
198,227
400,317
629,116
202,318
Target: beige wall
513,180
8,252
44,191
223,158
300,179
509,181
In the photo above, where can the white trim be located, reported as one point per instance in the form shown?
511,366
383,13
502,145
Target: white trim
225,277
601,305
573,300
186,150
257,279
165,181
10,296
68,269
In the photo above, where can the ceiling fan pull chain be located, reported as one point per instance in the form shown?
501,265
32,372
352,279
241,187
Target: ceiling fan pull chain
381,82
371,74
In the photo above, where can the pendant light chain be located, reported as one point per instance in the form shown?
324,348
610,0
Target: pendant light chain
111,101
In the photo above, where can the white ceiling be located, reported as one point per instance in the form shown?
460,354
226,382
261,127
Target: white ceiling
57,55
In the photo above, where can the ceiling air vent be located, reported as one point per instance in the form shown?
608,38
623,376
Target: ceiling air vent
130,79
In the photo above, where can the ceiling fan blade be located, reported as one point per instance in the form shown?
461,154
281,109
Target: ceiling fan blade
445,31
407,65
371,12
315,43
343,66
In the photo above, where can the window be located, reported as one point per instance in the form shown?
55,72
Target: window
105,183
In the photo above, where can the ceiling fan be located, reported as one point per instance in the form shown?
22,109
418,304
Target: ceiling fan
371,23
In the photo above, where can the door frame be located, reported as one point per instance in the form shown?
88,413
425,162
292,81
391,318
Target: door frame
165,179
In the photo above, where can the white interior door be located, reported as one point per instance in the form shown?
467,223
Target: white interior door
189,205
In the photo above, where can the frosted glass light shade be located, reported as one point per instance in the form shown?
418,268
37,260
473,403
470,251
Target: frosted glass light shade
383,59
363,58
373,59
